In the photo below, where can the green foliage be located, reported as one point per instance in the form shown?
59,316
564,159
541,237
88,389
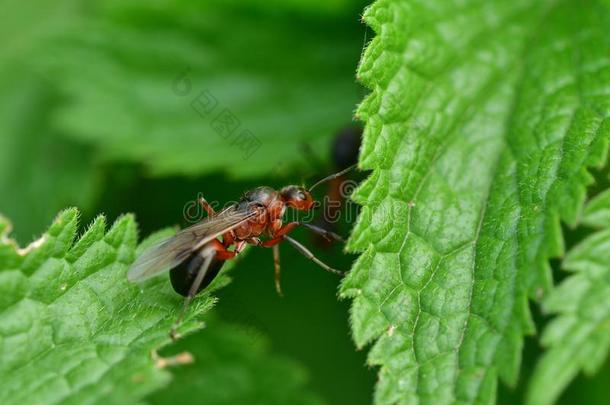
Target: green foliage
40,169
234,366
67,71
482,120
73,330
479,129
579,337
135,74
597,211
25,27
41,174
80,86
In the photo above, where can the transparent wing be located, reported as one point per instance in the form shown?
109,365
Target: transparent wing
170,252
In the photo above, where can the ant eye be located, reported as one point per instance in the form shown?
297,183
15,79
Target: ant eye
301,196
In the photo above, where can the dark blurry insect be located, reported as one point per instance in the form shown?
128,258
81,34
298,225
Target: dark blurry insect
346,146
195,255
344,153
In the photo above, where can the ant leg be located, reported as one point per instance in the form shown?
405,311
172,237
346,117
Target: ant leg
207,207
278,235
276,264
218,251
222,253
326,234
239,247
210,254
271,242
307,253
289,227
227,239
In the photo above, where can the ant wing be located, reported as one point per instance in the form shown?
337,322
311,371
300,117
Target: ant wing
172,251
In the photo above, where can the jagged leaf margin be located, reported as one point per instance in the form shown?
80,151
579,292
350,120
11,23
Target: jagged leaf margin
479,128
578,339
72,329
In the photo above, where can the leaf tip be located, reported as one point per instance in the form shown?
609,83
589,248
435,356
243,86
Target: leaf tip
124,228
67,216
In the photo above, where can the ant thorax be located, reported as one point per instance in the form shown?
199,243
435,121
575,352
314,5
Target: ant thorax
261,195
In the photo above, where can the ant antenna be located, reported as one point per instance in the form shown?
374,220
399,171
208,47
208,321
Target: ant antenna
333,176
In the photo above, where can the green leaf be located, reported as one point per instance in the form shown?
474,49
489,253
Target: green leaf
25,27
578,339
479,129
152,83
72,329
597,212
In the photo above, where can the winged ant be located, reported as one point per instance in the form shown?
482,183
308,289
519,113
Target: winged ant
195,255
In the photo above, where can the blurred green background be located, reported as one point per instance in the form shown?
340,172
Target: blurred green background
98,110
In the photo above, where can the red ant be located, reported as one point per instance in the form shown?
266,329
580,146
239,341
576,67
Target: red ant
195,255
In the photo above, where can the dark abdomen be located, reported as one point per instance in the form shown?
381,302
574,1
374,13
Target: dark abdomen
183,275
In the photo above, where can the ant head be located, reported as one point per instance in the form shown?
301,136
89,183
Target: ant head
298,198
